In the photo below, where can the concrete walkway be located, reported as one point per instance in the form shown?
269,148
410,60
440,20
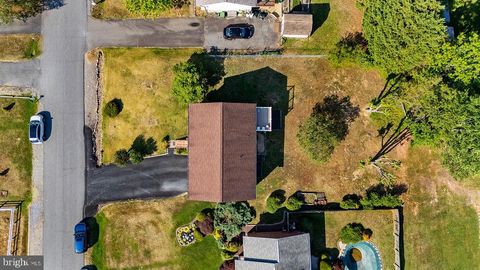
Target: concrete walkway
23,74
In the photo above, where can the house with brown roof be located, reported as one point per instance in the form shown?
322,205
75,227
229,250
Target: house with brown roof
222,149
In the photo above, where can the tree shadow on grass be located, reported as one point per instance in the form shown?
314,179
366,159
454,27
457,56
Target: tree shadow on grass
93,230
267,88
213,68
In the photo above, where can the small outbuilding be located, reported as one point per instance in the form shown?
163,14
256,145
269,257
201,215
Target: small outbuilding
297,25
222,147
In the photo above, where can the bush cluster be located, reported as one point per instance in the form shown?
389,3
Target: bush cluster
352,233
387,200
149,8
140,148
275,201
113,107
294,203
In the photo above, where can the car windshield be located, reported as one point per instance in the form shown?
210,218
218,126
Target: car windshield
34,129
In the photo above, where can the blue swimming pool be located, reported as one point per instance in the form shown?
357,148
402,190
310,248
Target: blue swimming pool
370,258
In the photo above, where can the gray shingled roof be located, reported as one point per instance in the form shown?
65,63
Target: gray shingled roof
285,253
252,3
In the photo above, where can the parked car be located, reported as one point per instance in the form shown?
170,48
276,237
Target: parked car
80,237
36,130
238,31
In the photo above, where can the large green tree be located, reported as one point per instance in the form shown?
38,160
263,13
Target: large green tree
190,84
460,62
19,9
403,34
229,218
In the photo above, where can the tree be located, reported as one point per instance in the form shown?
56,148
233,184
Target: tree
326,127
190,84
229,218
275,201
121,157
403,35
450,119
149,8
19,10
460,62
352,233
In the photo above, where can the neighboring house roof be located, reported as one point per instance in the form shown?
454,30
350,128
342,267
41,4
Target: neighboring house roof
251,3
222,155
275,251
297,25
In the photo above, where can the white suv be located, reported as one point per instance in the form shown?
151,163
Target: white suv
36,129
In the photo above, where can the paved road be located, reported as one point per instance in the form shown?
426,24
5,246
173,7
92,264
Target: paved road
61,82
177,32
24,74
163,176
32,25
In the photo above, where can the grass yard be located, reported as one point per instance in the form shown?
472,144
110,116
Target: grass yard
331,21
19,47
117,9
435,217
16,157
142,79
324,229
4,228
16,154
148,240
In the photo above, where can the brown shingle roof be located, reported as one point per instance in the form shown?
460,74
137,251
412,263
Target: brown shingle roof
222,152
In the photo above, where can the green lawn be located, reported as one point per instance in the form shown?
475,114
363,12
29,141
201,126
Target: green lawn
324,229
331,21
16,157
440,227
19,47
148,240
117,9
142,79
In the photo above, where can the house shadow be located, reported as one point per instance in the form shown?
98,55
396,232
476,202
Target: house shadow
267,88
314,224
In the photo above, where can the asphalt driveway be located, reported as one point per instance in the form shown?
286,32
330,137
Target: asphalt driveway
164,33
157,177
266,35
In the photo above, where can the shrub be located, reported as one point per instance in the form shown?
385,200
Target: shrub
275,201
229,218
13,9
294,203
33,49
232,246
367,234
217,234
121,158
227,265
324,265
198,235
148,8
200,216
374,199
352,233
350,201
113,107
226,255
205,226
135,156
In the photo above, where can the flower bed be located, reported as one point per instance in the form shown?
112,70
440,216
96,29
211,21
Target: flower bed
185,235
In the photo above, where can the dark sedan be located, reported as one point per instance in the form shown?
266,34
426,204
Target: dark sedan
238,31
